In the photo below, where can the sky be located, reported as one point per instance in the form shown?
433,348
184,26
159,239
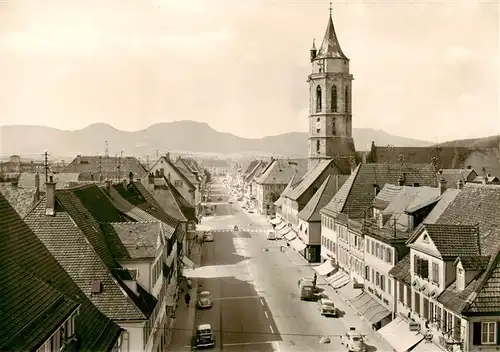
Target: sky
422,69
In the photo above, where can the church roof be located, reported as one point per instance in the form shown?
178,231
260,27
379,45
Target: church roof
330,48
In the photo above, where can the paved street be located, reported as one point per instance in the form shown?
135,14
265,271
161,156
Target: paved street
254,285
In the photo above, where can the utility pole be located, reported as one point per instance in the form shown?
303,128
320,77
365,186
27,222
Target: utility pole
106,150
147,162
46,166
99,168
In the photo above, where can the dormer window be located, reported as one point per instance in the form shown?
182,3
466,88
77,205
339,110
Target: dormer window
425,238
460,279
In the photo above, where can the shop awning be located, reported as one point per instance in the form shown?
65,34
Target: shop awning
338,279
280,226
188,262
324,269
290,235
297,244
284,231
350,292
426,346
397,333
275,221
370,308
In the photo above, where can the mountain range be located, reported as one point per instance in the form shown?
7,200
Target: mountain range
178,136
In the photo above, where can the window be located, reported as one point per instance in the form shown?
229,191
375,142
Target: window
178,183
417,303
488,333
377,249
457,333
460,279
435,272
367,273
389,285
415,264
334,128
377,278
334,98
318,99
438,317
401,293
426,308
432,316
317,146
408,296
382,282
347,105
444,326
373,275
425,238
388,256
373,248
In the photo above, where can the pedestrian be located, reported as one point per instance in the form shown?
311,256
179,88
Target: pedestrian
314,279
187,298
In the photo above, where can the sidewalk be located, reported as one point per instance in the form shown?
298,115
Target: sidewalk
183,326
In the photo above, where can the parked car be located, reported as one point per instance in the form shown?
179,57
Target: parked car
326,307
208,237
271,236
251,211
204,299
353,340
204,337
306,289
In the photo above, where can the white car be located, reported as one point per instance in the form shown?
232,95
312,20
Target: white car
204,299
271,236
353,341
326,307
208,237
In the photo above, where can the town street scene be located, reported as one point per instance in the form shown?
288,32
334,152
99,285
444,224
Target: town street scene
200,175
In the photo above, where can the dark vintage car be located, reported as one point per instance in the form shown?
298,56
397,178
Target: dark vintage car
204,337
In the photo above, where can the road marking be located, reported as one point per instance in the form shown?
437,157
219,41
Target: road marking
227,298
265,313
248,343
270,327
261,302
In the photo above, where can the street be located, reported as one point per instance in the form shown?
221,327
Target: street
254,287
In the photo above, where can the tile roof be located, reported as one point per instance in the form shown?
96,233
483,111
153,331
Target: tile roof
408,199
386,195
136,194
452,176
133,240
131,211
486,295
401,271
257,171
309,178
78,255
454,240
444,157
62,180
106,166
280,171
21,199
322,196
19,244
186,171
356,195
162,193
477,204
31,309
444,201
250,167
456,300
474,263
166,159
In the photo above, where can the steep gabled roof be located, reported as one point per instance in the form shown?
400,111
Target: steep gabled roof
453,240
133,240
322,196
77,254
250,167
330,48
90,167
477,205
444,201
21,199
402,270
309,178
31,309
356,195
176,169
186,170
21,246
279,171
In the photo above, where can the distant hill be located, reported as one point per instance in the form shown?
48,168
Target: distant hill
178,136
485,142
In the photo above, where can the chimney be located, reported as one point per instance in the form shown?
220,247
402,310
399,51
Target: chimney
460,184
363,158
442,185
401,181
485,180
130,177
37,181
78,159
352,161
375,189
488,175
469,167
50,195
167,156
108,185
125,183
151,179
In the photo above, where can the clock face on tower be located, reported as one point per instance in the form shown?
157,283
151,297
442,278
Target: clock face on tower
318,125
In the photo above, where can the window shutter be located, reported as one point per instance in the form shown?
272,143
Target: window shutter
415,264
476,333
498,333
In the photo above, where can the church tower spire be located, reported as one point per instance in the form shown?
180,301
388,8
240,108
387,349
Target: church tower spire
330,97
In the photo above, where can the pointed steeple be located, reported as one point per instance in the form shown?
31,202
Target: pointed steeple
330,48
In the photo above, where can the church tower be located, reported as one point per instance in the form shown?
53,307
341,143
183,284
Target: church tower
330,102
